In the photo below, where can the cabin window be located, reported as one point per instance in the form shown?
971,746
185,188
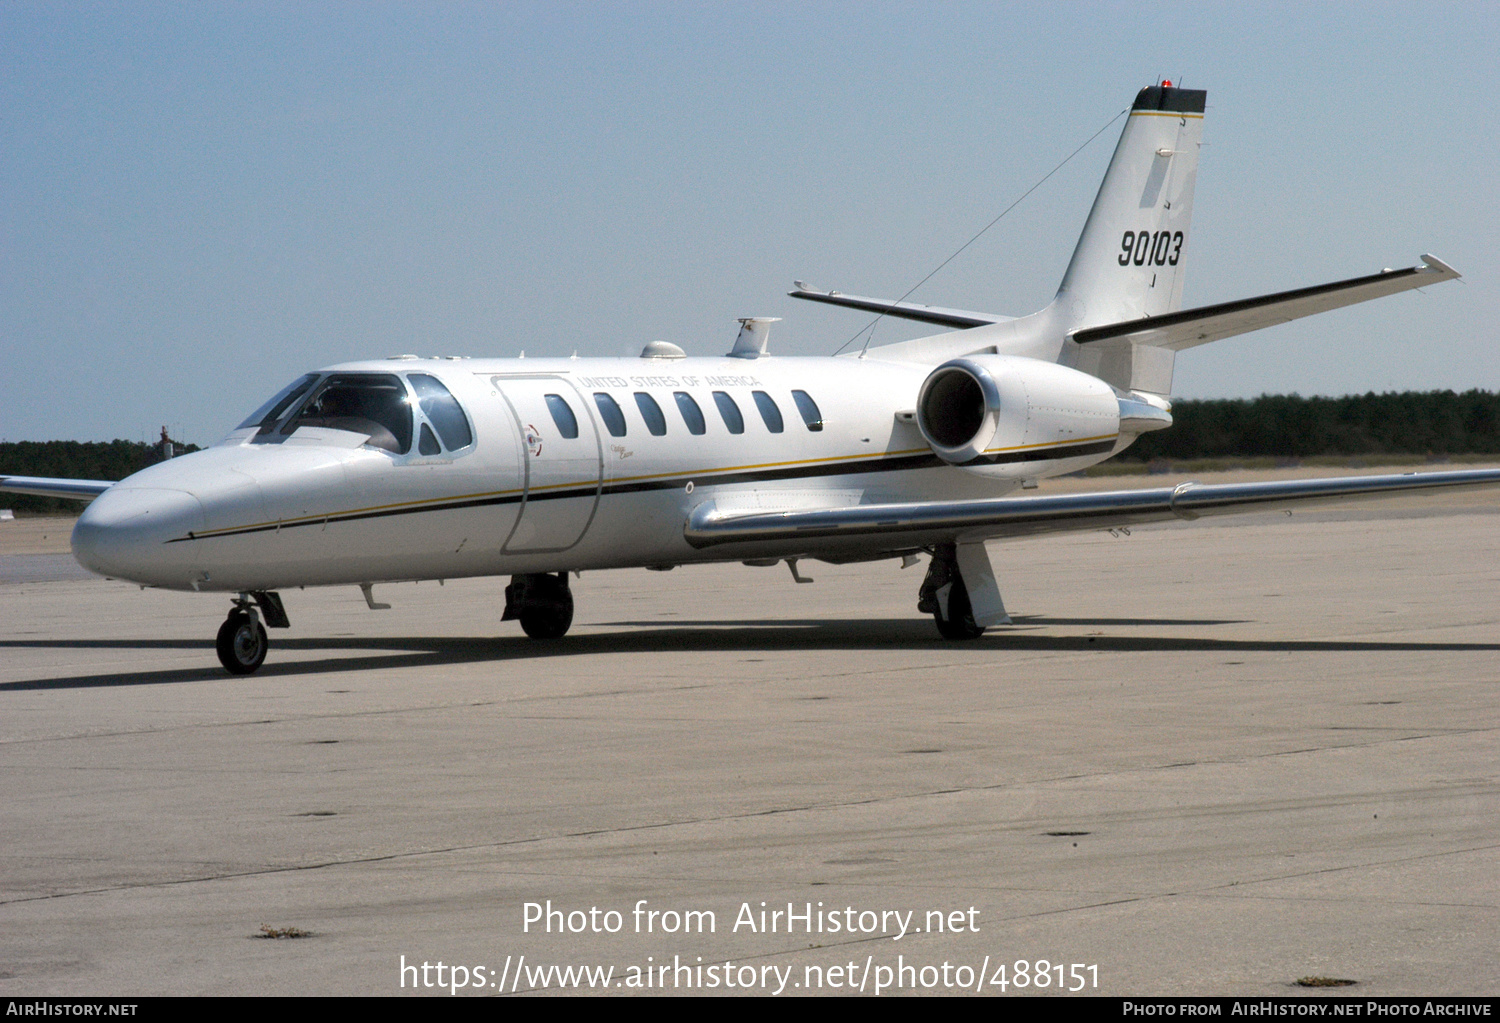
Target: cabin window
691,413
443,411
768,411
730,411
809,409
374,404
651,413
272,411
562,415
609,411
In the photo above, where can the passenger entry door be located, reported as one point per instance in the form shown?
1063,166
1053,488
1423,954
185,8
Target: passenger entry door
563,462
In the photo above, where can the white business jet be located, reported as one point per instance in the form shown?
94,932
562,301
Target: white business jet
408,468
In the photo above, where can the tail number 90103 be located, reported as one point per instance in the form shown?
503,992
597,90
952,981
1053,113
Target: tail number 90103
1161,248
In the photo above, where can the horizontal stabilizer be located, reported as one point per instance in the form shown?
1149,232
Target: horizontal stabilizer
948,521
961,319
39,486
1190,327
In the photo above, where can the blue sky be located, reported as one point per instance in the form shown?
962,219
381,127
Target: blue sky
198,202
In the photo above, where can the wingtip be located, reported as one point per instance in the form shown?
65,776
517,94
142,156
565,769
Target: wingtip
1432,263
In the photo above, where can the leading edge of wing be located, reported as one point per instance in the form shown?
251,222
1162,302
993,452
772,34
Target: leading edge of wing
936,521
1190,327
40,486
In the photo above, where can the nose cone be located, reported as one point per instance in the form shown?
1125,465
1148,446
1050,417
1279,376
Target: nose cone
140,533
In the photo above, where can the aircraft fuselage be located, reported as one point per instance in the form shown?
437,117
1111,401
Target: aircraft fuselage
319,506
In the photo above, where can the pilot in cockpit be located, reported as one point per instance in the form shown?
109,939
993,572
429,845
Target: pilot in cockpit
375,408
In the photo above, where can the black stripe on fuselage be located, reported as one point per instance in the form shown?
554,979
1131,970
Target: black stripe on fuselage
1045,454
786,472
900,463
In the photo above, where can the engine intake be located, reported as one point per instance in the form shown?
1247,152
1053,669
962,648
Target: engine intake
953,408
1001,415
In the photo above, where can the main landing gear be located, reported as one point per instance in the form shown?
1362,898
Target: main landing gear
543,603
959,592
242,641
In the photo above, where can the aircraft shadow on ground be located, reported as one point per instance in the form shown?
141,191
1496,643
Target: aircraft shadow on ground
297,655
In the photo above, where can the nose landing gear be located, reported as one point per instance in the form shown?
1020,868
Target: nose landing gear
242,641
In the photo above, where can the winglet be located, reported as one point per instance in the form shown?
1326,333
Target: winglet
1431,264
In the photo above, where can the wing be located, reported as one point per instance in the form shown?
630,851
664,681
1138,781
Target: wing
41,486
921,523
1190,327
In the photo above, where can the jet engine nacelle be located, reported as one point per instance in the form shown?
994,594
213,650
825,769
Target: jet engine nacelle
1002,415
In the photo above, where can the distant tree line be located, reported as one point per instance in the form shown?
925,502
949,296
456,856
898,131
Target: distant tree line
72,459
1289,426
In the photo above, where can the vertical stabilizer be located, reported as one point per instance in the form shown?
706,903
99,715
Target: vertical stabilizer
1130,258
1128,264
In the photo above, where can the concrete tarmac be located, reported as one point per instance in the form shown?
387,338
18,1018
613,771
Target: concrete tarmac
1208,759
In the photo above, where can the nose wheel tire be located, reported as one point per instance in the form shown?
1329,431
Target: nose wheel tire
242,643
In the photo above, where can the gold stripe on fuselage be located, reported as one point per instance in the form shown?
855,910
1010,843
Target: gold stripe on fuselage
438,504
1053,444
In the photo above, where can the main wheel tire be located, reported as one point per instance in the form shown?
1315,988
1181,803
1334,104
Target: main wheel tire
242,644
960,621
549,620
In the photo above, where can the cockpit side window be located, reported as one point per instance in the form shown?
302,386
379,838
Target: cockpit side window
443,411
374,404
273,410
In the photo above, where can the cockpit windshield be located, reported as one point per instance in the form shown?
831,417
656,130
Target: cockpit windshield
375,404
274,409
